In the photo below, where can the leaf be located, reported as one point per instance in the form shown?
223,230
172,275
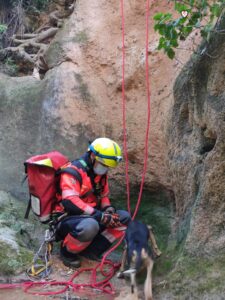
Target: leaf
170,53
195,17
158,16
156,27
180,7
161,43
165,18
172,29
174,43
178,22
187,30
162,29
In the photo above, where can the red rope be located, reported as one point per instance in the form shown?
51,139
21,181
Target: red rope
124,109
108,252
124,123
148,112
124,112
102,285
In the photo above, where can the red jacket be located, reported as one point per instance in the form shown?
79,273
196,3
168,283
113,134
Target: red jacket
83,196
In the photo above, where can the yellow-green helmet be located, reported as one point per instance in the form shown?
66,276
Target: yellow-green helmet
107,152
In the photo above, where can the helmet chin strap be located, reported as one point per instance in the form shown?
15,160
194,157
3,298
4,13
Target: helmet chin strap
92,157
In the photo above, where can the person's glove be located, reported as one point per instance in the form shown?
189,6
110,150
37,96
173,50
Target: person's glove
109,209
106,219
115,221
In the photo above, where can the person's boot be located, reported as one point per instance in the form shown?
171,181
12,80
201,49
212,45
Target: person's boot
70,260
98,246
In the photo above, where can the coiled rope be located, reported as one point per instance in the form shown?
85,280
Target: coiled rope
102,285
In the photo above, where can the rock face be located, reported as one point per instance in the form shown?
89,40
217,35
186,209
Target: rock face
31,123
196,138
80,98
15,237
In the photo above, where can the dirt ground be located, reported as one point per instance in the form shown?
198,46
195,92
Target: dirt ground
62,273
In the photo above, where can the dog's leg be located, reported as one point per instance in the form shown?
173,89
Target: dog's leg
123,263
148,281
134,289
148,264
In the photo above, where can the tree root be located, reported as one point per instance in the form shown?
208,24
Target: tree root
28,49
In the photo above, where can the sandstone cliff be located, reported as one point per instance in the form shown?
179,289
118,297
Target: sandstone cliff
79,99
196,148
80,96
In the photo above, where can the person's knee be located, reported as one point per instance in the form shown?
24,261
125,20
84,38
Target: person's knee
125,217
87,229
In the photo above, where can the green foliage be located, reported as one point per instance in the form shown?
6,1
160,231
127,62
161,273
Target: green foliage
11,66
3,28
195,276
193,13
13,261
156,209
38,4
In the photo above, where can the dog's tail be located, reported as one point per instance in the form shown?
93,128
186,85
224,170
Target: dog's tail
148,281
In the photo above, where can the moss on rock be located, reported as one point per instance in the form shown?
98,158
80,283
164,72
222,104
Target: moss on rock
13,261
17,237
195,278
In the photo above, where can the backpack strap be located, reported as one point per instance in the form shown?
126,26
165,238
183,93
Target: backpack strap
28,208
80,164
72,172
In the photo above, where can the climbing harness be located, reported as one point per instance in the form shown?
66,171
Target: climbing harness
41,265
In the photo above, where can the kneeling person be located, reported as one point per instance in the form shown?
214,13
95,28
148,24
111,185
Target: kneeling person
92,224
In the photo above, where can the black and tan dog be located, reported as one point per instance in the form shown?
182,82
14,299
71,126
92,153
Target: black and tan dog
139,254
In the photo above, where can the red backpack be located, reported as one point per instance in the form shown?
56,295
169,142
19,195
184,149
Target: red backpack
43,173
